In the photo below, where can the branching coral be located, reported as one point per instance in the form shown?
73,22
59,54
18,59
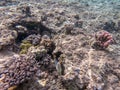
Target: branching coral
103,39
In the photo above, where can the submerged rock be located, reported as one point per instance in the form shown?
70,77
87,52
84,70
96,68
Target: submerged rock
7,38
110,26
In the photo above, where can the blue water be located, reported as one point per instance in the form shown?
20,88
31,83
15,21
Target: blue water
103,7
95,4
110,9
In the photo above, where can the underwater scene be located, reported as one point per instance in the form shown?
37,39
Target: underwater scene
59,44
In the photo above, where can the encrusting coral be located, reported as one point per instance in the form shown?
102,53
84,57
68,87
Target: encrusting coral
102,39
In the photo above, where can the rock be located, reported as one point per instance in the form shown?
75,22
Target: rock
118,25
34,39
79,24
68,29
110,26
7,38
21,29
42,82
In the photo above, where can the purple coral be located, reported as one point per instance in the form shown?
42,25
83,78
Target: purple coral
103,39
17,70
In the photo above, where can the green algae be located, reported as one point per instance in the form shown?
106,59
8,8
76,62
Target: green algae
25,45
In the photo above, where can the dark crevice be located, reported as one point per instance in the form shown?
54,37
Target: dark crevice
20,37
26,28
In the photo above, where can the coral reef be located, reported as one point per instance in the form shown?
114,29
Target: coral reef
87,68
57,34
16,70
102,39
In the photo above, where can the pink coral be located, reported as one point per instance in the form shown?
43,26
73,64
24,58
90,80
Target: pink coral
103,39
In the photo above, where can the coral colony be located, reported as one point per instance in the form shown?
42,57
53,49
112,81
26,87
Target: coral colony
17,70
103,39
